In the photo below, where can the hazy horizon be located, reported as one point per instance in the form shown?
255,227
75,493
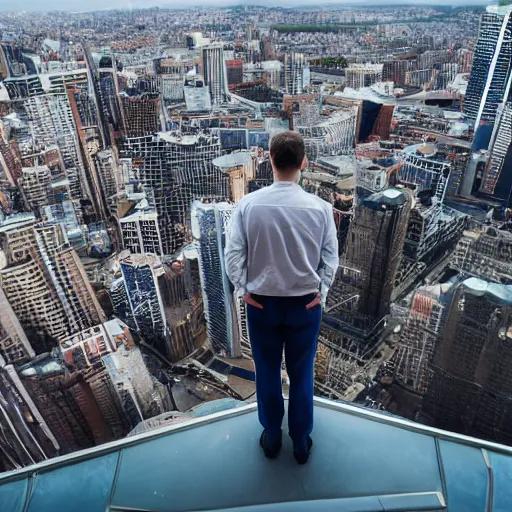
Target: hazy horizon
92,5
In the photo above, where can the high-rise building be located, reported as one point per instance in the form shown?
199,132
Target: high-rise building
209,223
177,169
26,437
35,186
170,73
425,169
47,383
296,73
241,169
491,75
213,68
140,114
14,344
163,302
46,284
108,93
63,110
396,71
335,135
120,302
141,233
182,298
140,275
109,176
420,337
471,386
370,178
274,71
10,160
84,349
465,60
485,254
359,76
374,249
497,180
235,72
138,395
303,109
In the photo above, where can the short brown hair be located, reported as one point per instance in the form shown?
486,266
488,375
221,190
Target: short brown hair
287,151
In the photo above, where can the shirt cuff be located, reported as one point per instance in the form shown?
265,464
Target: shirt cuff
240,292
323,295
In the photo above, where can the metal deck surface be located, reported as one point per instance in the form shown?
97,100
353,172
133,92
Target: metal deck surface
362,461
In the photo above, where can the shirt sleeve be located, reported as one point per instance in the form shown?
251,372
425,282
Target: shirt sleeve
235,252
329,257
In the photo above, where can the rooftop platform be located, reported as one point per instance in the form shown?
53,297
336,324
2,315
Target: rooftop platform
362,461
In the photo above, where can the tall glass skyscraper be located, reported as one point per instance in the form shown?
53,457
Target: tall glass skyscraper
491,76
214,73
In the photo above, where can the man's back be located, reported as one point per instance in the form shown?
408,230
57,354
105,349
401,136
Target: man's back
285,228
281,255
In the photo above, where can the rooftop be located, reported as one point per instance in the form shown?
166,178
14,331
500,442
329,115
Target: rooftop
362,461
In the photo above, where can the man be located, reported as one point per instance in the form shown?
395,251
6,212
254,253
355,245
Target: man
282,255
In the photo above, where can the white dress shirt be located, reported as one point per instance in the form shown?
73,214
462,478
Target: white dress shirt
282,242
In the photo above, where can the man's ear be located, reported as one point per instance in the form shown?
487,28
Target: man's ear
304,163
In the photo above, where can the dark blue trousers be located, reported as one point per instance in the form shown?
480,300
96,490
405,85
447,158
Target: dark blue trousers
285,322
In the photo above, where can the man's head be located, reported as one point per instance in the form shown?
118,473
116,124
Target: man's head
287,154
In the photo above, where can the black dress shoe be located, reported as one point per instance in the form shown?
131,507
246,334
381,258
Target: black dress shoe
302,457
271,447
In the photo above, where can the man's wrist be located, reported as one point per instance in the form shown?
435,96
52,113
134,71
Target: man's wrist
240,292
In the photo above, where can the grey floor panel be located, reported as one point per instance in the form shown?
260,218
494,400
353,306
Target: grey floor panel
86,489
502,473
12,496
466,476
221,466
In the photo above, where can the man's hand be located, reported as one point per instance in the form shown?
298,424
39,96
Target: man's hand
315,302
249,300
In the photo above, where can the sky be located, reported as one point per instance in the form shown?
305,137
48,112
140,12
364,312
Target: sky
89,5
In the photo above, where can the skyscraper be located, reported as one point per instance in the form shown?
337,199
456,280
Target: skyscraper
235,72
35,186
46,381
296,73
374,248
214,72
109,176
140,273
491,75
420,337
485,254
177,169
108,93
425,170
26,437
182,298
497,180
140,114
14,344
63,109
471,387
9,158
141,233
46,284
209,224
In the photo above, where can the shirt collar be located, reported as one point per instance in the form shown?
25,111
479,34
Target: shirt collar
284,183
